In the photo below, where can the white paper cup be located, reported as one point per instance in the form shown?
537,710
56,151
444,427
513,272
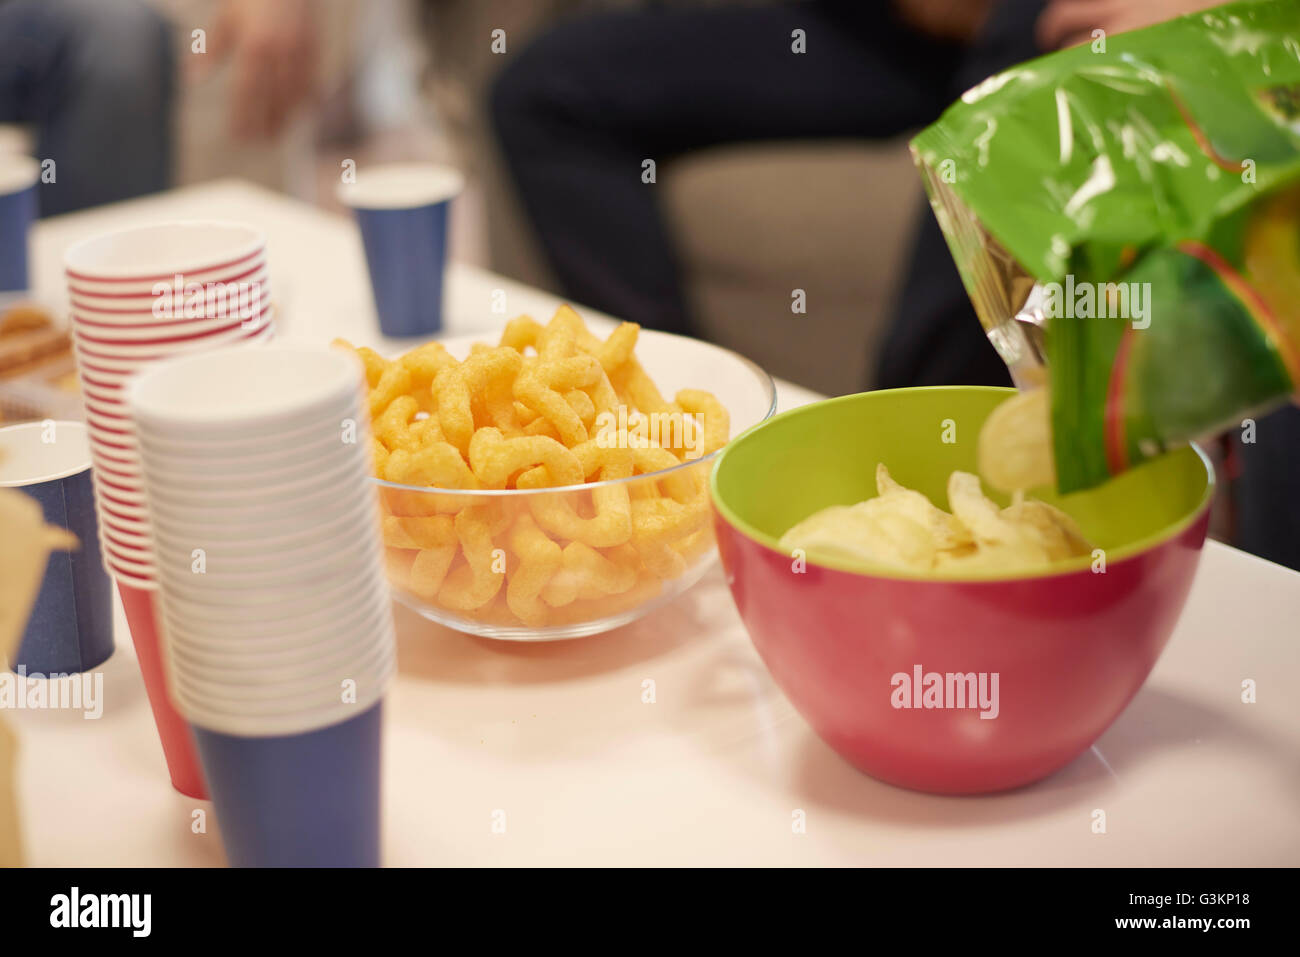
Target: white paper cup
191,281
118,451
118,493
228,670
114,458
206,589
297,538
228,660
224,662
123,512
128,553
110,415
103,378
123,528
278,695
401,186
294,721
111,480
320,438
252,557
136,356
103,394
223,575
119,462
345,424
127,539
367,668
165,302
153,340
227,667
241,297
238,496
110,426
272,471
105,477
280,389
235,645
274,691
136,571
260,575
104,367
257,452
271,610
289,534
157,252
93,336
122,578
273,515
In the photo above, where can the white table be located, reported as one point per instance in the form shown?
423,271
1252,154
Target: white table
557,738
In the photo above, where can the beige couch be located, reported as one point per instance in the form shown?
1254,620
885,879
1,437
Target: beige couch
756,222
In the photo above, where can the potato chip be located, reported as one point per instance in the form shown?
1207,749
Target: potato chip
1015,443
902,528
948,531
978,513
871,531
1056,531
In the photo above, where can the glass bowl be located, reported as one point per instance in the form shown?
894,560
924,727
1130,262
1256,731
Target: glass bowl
565,562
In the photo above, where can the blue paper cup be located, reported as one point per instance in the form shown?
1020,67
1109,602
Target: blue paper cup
305,800
71,626
18,178
402,212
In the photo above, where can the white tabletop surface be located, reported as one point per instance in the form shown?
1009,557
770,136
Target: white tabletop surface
554,738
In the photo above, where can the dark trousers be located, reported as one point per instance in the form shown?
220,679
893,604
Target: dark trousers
580,110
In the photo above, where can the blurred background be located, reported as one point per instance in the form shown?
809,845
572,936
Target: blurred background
785,219
409,79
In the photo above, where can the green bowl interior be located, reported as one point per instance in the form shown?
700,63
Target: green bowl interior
783,470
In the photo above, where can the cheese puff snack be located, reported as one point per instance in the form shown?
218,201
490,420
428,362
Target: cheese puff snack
612,505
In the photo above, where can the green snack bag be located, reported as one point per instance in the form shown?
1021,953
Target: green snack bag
1125,216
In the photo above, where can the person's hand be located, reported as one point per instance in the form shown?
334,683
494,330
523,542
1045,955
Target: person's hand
957,20
272,45
1067,22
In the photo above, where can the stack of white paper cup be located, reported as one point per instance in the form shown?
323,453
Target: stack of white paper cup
276,617
138,296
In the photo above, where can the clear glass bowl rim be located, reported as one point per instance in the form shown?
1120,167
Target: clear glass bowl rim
762,376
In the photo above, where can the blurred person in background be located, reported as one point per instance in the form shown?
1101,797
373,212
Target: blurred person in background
273,49
94,79
579,110
97,82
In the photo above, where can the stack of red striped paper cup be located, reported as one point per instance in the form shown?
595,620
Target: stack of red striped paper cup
136,297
